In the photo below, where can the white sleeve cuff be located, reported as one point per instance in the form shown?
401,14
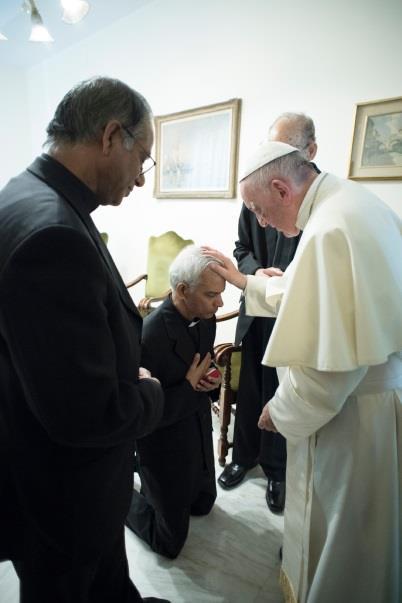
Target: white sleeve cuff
307,399
255,296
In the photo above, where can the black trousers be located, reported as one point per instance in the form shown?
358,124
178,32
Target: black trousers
257,385
46,578
164,524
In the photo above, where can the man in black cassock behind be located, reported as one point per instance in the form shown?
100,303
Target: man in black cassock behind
257,249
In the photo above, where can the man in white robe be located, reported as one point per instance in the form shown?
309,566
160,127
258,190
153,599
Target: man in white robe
339,333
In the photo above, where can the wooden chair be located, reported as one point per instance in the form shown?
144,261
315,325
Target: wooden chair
162,251
228,359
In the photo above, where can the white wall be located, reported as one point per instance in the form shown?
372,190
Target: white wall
15,148
317,57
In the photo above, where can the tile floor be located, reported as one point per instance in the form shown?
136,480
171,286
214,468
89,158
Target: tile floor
231,556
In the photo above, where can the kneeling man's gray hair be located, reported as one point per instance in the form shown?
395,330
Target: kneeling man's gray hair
188,266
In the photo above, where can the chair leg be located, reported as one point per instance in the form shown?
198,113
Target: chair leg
224,420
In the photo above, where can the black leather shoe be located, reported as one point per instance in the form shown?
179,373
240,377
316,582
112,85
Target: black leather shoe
275,496
232,475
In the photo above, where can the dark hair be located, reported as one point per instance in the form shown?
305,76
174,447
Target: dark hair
86,109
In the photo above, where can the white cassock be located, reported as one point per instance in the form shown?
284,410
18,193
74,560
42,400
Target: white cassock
339,333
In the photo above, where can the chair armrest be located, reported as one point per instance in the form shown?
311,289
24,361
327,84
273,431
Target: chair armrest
136,280
227,316
151,300
145,304
223,353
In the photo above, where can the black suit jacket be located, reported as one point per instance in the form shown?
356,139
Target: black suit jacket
71,404
172,450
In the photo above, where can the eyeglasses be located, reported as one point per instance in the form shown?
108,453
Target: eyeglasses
148,162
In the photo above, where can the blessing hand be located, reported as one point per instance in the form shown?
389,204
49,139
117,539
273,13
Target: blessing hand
225,268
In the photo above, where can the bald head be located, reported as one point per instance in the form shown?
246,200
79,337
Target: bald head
297,130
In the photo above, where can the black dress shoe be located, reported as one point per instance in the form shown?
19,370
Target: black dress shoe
275,496
232,475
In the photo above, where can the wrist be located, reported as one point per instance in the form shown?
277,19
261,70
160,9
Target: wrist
241,281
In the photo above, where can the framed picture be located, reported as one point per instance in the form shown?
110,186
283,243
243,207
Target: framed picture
377,141
197,152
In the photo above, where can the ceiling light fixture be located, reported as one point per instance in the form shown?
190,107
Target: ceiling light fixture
39,32
74,10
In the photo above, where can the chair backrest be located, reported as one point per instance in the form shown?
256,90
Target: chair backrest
228,359
235,373
162,251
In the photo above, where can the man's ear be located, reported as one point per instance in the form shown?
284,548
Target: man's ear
281,191
312,150
112,128
181,290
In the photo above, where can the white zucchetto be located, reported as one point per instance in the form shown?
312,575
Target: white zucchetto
267,151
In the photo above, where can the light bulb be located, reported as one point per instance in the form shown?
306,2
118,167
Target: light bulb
74,10
39,33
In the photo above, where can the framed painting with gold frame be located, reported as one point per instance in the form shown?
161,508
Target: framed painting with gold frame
197,152
376,152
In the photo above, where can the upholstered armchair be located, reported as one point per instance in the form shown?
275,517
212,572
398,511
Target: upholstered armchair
162,251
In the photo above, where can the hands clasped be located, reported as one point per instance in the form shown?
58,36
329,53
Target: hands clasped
144,373
197,376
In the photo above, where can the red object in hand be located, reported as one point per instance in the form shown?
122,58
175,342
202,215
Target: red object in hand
213,372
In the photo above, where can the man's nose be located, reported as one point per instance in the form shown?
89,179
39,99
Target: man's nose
140,180
219,301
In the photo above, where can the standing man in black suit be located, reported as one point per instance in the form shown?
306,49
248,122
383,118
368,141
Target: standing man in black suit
73,397
258,249
176,462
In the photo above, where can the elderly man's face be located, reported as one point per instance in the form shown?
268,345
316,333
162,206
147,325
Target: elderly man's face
271,206
123,171
204,300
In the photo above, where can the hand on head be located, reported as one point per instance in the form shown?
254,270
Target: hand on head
225,268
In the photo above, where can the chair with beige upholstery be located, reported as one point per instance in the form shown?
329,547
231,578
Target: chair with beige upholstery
162,251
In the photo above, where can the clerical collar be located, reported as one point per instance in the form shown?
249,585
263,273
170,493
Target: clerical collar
308,201
187,322
57,176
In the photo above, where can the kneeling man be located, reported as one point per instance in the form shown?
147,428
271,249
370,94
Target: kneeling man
176,463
